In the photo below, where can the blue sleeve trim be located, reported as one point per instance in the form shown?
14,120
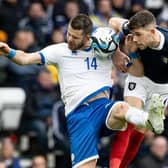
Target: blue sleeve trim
129,64
121,36
133,55
42,58
11,54
125,29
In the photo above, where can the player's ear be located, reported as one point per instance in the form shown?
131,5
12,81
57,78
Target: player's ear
153,31
87,37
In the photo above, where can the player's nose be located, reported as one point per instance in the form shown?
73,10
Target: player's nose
70,39
135,39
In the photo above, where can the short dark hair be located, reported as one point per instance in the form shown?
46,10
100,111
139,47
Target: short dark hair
82,22
141,19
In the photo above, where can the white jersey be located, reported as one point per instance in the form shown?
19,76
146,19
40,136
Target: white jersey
143,88
81,74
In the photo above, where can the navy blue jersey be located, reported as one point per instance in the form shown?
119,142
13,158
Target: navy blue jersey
156,61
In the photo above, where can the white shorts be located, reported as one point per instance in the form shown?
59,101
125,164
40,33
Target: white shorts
143,88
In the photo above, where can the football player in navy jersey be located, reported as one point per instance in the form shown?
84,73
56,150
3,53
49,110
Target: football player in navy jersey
147,46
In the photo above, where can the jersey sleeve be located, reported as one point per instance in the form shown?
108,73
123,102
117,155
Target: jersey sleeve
52,54
124,30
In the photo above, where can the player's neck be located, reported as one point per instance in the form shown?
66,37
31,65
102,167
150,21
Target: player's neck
156,40
87,45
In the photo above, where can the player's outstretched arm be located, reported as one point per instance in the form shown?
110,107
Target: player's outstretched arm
18,56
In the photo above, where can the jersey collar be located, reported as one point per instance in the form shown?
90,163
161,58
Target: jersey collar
162,41
87,49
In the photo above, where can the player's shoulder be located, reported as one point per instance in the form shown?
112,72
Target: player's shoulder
164,31
59,47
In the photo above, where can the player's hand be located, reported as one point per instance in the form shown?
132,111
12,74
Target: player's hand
120,60
166,111
4,49
131,46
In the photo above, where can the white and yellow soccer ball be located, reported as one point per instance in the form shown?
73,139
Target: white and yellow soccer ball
105,42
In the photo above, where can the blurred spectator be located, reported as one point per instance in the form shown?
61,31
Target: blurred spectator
54,73
71,9
39,161
10,14
49,8
163,16
23,4
144,148
57,36
104,151
23,76
155,6
3,71
83,6
157,157
117,90
38,108
104,12
59,124
163,22
91,6
37,20
3,36
136,6
7,154
24,40
65,10
119,6
61,136
58,13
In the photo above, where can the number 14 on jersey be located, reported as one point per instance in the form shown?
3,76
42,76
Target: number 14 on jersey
91,63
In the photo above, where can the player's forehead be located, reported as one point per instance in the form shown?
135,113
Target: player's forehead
138,31
75,32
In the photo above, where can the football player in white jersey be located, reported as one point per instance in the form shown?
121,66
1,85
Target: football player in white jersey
147,44
85,80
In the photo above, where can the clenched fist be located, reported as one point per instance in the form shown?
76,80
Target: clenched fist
4,49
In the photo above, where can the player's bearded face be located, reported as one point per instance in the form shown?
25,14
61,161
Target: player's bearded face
76,45
75,39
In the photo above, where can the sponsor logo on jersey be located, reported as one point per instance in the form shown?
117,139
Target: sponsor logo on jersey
131,85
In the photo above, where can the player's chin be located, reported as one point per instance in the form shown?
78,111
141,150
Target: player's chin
142,47
72,47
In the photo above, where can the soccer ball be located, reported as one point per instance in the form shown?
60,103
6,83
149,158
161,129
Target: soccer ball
104,42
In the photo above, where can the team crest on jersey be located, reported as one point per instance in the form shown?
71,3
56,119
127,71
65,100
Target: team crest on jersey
131,85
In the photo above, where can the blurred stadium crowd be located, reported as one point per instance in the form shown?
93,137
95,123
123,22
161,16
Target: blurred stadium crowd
39,137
